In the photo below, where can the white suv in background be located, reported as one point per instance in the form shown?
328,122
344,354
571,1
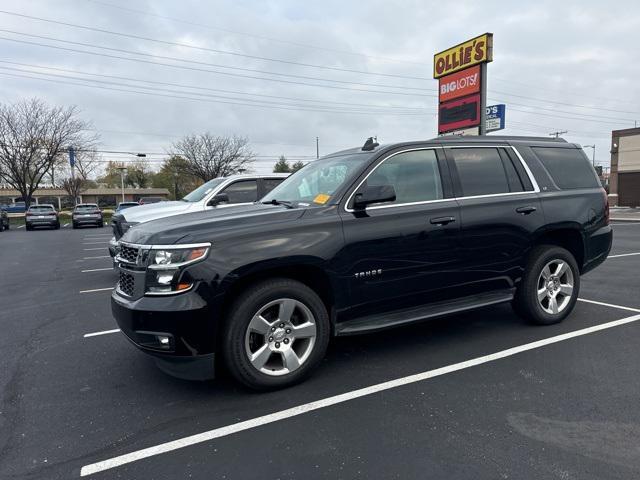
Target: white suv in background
217,193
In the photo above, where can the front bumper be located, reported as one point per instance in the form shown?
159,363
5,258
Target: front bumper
176,329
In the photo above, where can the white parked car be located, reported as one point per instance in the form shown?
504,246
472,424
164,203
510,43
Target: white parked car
217,193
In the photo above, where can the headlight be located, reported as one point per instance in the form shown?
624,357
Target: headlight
165,268
162,258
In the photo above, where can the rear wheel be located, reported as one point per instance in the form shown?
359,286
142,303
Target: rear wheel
29,227
549,289
57,226
1,225
275,334
74,225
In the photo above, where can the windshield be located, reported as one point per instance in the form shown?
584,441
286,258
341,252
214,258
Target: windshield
41,208
203,190
318,180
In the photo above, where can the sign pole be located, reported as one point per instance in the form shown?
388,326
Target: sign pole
483,99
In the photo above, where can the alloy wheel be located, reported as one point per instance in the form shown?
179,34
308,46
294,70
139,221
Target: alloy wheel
555,286
280,337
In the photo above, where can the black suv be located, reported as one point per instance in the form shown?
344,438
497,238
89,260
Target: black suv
358,241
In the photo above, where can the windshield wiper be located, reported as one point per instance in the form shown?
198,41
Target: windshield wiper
284,203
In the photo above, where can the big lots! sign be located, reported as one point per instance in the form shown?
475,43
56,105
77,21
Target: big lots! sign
459,84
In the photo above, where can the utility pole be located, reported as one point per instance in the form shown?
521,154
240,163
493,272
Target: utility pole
593,158
317,148
557,134
122,170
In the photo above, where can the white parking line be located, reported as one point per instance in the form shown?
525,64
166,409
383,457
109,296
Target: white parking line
105,332
20,226
625,223
623,255
65,225
89,249
94,258
337,399
96,270
103,242
621,307
97,235
96,290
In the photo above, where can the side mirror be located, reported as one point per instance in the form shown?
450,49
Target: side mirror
374,194
218,199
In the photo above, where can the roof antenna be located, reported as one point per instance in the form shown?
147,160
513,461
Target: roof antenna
370,144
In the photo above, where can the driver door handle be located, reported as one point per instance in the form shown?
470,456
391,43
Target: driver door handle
526,210
442,220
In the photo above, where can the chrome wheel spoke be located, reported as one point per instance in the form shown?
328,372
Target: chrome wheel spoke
290,359
566,289
542,293
305,330
287,306
260,325
261,356
553,304
546,272
560,269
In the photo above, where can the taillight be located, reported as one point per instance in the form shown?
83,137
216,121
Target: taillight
28,214
606,206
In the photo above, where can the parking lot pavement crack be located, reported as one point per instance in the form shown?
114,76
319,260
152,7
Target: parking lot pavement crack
609,442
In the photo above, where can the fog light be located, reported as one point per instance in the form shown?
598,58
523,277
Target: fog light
164,341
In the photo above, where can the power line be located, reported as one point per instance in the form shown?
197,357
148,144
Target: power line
195,62
153,93
235,92
213,50
184,67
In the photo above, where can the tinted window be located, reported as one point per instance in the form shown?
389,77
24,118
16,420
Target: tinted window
568,167
414,176
41,208
270,183
244,191
480,170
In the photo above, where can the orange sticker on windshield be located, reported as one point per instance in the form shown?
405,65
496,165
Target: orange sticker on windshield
321,198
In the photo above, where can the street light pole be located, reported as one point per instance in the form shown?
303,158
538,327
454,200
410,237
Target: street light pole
122,170
593,157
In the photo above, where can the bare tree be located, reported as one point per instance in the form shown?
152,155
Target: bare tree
33,138
74,186
208,156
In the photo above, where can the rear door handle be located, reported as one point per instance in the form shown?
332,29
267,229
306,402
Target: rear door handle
526,210
442,220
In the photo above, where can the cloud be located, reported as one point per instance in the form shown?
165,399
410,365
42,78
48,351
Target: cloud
575,53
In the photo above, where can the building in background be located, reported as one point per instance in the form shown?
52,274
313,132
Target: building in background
105,197
625,167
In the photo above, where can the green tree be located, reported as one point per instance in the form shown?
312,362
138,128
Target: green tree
174,176
296,166
281,166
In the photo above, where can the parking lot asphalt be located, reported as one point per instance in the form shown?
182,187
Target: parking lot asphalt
567,409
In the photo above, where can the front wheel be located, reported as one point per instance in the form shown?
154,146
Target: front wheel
549,289
276,333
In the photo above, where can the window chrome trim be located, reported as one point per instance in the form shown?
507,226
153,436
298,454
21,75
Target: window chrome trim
532,179
175,246
351,210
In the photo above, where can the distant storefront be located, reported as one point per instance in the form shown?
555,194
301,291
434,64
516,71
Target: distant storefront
105,197
625,167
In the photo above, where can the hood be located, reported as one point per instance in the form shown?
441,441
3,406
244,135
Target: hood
152,211
204,226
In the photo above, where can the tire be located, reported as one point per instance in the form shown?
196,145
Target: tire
74,225
57,226
270,298
1,225
550,286
8,225
28,228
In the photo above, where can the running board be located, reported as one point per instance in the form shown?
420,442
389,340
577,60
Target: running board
381,321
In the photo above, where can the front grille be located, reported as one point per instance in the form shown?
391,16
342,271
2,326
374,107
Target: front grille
126,284
128,254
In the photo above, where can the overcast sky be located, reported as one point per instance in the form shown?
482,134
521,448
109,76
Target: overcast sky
557,65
